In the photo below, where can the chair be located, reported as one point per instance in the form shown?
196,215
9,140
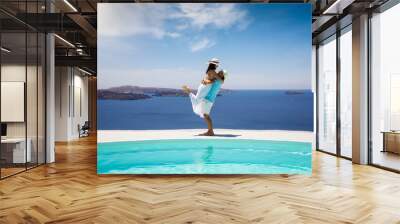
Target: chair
84,130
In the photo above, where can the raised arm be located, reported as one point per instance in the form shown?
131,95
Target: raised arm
206,81
221,75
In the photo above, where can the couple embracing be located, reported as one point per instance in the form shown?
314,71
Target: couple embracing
206,94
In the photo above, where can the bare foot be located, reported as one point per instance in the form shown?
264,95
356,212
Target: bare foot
208,133
186,89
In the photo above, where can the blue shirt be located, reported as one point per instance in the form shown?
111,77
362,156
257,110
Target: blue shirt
212,94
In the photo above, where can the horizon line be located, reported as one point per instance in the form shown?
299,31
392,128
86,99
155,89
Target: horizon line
299,89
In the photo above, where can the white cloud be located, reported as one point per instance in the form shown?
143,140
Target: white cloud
169,20
217,15
173,34
182,26
133,19
201,44
121,19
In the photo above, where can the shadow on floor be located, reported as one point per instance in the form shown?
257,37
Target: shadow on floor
223,135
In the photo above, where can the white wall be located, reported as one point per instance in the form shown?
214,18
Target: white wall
17,73
14,73
80,109
62,82
13,101
71,102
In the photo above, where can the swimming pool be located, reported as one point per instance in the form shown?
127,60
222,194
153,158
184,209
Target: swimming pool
204,156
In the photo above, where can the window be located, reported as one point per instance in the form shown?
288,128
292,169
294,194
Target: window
327,95
385,89
22,87
346,92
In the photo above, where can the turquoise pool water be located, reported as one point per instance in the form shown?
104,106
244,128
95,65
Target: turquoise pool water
204,156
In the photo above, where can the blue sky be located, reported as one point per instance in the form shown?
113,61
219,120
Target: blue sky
262,46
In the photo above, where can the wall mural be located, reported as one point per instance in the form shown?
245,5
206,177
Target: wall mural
204,88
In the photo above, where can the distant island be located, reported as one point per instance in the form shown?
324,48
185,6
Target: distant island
140,93
110,95
295,92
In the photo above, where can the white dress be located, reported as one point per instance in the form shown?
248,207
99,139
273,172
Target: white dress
200,105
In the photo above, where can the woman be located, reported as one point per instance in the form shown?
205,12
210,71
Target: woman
208,90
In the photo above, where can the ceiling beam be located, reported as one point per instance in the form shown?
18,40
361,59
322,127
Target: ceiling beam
80,61
84,24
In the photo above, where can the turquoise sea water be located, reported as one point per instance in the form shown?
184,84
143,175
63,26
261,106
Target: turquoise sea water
204,156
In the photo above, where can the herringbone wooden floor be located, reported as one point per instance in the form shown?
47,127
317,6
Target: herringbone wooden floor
70,191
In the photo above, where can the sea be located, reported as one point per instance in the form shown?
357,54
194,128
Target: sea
236,109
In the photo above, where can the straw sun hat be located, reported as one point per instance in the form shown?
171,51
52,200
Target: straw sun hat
214,61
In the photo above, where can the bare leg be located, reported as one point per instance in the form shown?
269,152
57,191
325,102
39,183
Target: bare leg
210,131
